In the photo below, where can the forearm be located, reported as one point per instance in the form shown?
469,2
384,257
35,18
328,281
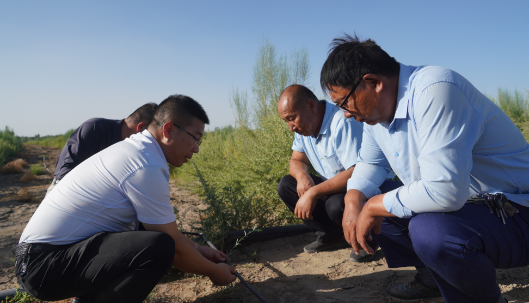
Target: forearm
334,185
375,207
188,259
298,169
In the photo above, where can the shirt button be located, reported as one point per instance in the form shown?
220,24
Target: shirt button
396,154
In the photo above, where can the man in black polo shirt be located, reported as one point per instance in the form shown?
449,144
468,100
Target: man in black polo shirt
96,134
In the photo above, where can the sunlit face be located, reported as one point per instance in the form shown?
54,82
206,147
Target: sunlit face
363,105
299,120
180,146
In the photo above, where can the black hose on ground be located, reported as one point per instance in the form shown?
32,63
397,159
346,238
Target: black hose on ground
267,233
9,293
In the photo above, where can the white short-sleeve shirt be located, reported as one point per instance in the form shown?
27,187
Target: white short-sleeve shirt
110,191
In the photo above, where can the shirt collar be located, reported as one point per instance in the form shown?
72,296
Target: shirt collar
403,95
329,111
148,134
117,130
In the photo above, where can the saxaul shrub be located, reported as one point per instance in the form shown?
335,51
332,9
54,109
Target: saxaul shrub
228,209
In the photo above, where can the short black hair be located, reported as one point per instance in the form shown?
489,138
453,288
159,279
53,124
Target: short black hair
180,110
143,114
350,59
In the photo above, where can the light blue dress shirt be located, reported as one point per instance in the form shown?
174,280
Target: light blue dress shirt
335,149
447,142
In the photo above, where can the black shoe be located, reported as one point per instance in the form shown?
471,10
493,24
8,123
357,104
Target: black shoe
363,256
318,246
413,291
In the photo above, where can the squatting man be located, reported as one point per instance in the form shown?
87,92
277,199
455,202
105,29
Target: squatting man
329,141
462,162
83,240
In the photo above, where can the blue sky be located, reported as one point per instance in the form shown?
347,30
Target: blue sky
63,62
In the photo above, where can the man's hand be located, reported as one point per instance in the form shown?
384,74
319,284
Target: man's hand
223,274
370,219
305,206
366,222
353,206
304,184
211,254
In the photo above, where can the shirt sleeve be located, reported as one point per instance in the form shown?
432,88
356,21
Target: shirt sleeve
148,191
82,144
447,128
371,169
348,142
297,145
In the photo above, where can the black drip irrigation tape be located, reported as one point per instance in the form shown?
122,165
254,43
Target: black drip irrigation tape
9,293
236,273
267,233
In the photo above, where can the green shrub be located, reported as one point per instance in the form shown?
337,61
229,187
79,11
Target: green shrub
36,169
57,141
9,144
513,104
228,208
21,297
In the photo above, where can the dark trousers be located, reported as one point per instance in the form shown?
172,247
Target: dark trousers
328,213
461,249
107,267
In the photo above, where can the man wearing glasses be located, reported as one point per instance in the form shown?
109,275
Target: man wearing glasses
83,240
463,209
329,142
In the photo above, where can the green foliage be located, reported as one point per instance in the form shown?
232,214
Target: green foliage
513,104
228,208
21,297
516,107
246,162
57,141
9,144
36,169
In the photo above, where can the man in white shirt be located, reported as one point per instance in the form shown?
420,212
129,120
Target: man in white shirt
82,241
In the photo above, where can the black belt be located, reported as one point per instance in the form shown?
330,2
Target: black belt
27,248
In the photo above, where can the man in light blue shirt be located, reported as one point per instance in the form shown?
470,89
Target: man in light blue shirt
463,209
330,142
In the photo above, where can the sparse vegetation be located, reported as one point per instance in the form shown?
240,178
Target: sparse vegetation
51,141
28,177
37,169
24,195
21,297
14,167
9,144
516,107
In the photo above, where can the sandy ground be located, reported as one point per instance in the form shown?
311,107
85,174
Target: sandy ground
277,269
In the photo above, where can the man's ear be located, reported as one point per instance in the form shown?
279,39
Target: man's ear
312,105
374,80
140,127
167,130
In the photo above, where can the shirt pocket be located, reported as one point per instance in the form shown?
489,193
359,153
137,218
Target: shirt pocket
332,166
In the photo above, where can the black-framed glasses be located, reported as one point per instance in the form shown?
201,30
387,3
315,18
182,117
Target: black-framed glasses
197,140
341,105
